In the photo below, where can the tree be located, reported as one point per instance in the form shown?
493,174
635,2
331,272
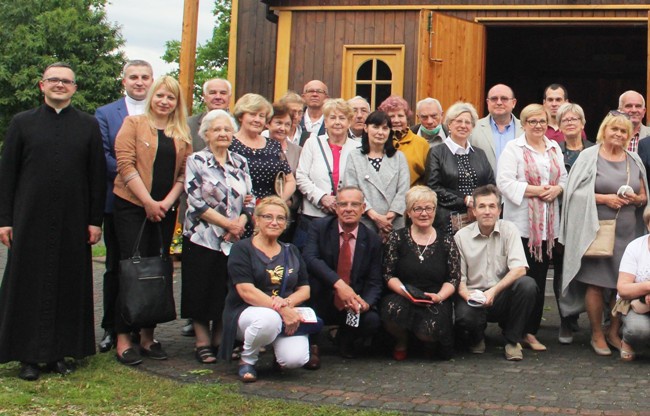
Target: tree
211,57
37,33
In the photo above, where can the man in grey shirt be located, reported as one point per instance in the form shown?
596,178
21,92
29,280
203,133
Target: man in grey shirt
493,285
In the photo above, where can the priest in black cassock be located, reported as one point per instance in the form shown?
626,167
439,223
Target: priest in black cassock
52,191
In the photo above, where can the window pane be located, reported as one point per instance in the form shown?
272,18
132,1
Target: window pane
364,90
383,71
383,92
365,71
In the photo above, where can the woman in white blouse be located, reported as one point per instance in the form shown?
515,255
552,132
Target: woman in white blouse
531,175
322,165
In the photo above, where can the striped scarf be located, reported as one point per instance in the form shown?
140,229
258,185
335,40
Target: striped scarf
536,218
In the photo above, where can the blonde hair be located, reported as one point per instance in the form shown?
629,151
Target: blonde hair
531,109
252,103
176,126
420,193
268,201
291,97
334,104
620,119
459,108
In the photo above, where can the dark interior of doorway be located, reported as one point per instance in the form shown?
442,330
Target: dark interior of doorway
595,64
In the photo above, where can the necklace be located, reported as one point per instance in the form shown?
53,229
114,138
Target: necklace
417,246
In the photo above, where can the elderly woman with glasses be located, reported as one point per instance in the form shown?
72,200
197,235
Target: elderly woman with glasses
606,182
531,175
420,263
571,121
456,169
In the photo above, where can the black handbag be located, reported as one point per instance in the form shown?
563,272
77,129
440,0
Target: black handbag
146,287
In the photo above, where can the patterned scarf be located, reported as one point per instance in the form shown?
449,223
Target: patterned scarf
536,205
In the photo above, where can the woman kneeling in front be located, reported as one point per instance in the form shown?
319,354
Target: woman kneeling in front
267,279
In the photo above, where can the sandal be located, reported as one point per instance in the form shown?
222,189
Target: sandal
247,373
627,354
205,355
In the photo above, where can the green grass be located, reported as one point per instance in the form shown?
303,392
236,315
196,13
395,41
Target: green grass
102,387
99,250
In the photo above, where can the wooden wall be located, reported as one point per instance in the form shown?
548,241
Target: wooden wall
256,44
318,38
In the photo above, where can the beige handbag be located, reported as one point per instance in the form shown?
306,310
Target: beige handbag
603,244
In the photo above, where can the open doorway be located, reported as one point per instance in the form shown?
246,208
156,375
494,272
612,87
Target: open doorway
595,64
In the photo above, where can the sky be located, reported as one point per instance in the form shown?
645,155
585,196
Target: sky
147,24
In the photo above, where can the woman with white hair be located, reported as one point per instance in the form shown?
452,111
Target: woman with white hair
216,182
457,168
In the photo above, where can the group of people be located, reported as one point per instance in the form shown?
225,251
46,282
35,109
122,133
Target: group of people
315,211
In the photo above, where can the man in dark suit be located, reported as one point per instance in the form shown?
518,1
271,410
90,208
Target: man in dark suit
345,281
137,79
644,154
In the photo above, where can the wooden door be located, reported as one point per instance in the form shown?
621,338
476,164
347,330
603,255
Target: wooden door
451,60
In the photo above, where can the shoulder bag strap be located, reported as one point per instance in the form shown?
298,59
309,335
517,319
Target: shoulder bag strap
329,169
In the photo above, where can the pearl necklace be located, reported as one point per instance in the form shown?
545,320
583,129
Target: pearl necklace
417,246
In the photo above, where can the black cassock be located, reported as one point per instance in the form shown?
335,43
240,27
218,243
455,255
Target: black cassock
52,187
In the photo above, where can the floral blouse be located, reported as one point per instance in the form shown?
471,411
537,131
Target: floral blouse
222,188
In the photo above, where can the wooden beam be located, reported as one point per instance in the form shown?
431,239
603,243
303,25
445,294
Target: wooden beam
188,51
283,54
482,7
545,19
232,50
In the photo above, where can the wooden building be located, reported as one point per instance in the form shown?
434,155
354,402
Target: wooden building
450,50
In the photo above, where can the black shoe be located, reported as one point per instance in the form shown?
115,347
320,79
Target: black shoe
155,351
108,341
60,367
29,372
129,357
346,346
188,329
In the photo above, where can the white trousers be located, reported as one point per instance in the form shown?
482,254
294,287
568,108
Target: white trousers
258,327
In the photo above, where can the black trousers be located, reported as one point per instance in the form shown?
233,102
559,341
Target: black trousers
538,271
322,301
128,220
511,308
111,278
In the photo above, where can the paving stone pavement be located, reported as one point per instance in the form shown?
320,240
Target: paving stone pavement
566,379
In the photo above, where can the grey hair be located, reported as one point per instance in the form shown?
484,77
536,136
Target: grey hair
213,115
358,97
427,100
205,84
622,97
459,108
570,108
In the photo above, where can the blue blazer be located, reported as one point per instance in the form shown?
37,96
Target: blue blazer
322,256
110,118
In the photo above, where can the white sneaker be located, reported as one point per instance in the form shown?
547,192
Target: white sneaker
513,352
565,335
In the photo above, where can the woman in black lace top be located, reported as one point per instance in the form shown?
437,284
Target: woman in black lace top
424,262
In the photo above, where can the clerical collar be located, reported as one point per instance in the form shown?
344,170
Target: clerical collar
134,107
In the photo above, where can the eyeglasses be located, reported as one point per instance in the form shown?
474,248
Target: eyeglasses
502,99
315,91
280,219
55,81
419,210
615,113
570,120
533,123
354,205
460,122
